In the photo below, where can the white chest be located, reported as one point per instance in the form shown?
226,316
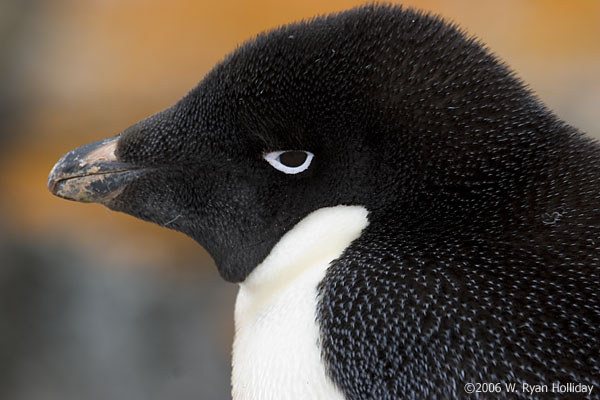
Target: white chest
276,352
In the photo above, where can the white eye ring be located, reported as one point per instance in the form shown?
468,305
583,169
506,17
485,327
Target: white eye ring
274,158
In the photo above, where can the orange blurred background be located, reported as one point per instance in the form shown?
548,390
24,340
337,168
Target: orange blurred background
77,71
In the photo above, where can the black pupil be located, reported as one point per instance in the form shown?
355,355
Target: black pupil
292,159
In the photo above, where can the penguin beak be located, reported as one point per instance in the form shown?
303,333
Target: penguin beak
92,173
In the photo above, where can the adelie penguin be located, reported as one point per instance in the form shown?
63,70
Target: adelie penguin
403,216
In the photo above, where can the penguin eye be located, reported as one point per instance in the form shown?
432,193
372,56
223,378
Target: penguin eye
289,161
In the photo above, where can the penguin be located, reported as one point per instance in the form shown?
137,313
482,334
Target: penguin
404,217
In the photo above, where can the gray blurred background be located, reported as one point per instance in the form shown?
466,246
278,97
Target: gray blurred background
98,305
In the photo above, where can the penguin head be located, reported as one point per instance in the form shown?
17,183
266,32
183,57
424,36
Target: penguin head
369,107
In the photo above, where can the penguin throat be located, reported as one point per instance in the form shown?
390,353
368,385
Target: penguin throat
320,237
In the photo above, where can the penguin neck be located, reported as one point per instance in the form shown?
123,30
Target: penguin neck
321,235
318,239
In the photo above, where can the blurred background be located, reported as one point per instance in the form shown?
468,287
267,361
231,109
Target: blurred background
98,305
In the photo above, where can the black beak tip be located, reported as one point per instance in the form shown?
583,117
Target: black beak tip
54,176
